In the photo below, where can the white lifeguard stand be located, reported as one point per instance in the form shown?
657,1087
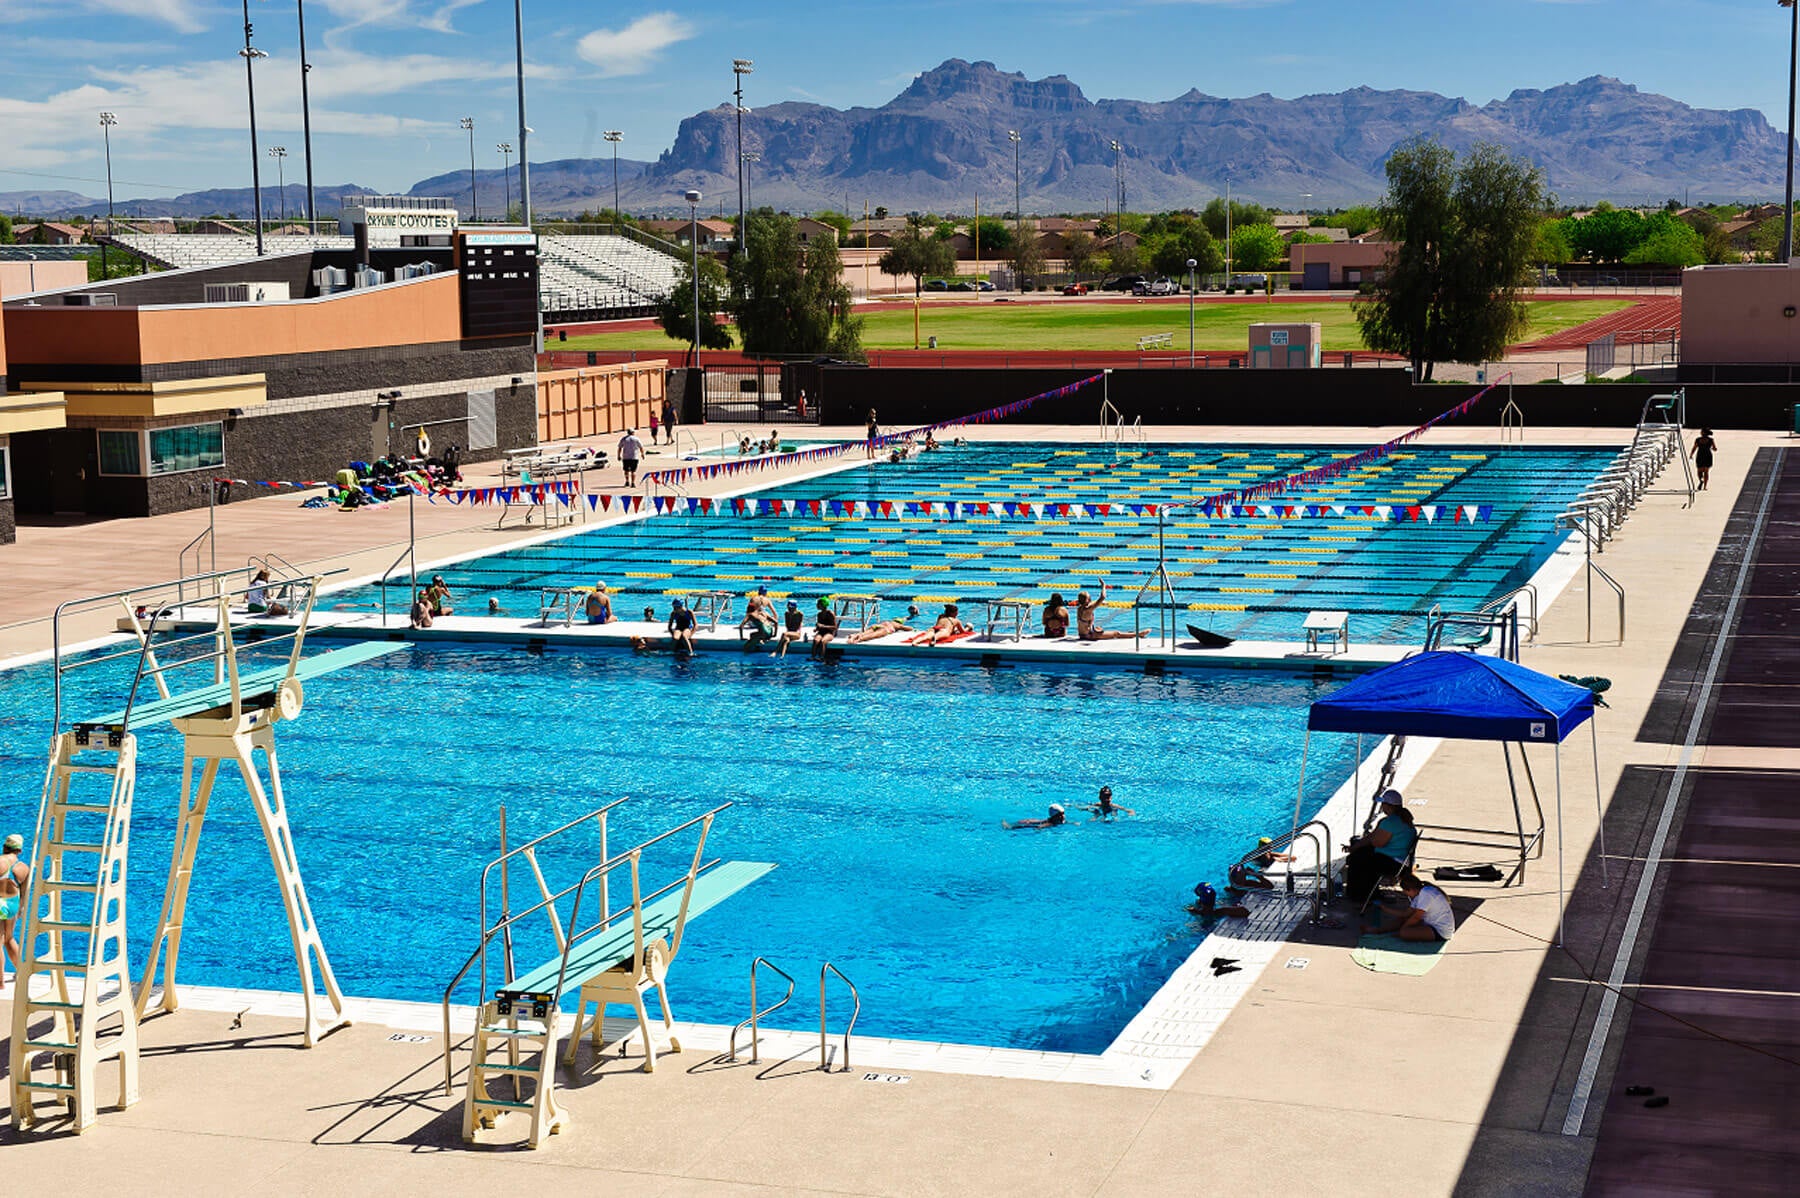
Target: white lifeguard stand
74,1007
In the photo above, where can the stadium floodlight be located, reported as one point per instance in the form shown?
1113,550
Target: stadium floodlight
279,154
250,54
468,124
107,121
312,211
739,68
615,136
1787,211
1193,286
1012,135
524,131
750,158
693,198
505,148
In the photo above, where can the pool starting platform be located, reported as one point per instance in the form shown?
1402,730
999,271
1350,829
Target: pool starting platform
74,1008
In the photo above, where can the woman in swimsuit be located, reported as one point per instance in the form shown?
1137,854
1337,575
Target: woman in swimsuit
1703,455
15,875
1085,607
874,432
1056,616
948,625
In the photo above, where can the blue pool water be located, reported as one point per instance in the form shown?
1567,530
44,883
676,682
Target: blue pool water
1246,578
879,790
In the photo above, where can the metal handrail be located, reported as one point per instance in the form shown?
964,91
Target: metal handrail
1321,859
411,588
1500,620
756,1015
855,1010
274,562
1530,591
683,431
181,560
1617,589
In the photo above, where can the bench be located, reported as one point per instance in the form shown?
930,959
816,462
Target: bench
1157,341
1334,624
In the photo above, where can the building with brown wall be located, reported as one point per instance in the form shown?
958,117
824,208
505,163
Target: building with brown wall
160,389
1319,266
1740,315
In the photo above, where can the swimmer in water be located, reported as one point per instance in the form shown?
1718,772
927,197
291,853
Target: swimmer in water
1105,808
1056,819
1205,905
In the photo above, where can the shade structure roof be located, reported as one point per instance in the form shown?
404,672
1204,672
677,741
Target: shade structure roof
1458,695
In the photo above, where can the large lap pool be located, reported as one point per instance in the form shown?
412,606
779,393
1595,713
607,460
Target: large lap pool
879,790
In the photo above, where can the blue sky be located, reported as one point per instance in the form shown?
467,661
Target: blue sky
391,78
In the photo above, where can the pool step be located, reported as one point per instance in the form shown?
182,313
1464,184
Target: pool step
524,1048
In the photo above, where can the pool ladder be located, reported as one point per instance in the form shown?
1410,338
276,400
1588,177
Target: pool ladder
1319,834
758,1015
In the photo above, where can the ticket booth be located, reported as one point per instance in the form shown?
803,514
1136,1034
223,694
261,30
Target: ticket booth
1285,346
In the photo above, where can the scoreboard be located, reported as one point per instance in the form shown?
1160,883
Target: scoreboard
499,282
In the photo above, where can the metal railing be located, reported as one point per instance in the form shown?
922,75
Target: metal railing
757,1016
1582,522
1321,868
1484,624
855,1010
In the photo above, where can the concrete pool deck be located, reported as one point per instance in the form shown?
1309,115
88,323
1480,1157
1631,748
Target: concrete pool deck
1325,1077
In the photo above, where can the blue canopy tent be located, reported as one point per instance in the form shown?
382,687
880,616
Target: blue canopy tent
1467,696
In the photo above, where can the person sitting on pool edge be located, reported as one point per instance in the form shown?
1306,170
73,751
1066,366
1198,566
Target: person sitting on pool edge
1055,819
1381,853
875,632
1056,616
1248,875
599,605
1086,629
439,594
947,625
1104,807
793,626
759,615
421,611
1426,917
1205,905
258,600
681,628
825,626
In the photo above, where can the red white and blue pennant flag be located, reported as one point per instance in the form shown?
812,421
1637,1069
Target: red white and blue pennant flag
999,510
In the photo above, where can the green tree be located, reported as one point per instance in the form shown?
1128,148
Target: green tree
787,301
1169,254
1550,245
1080,251
1256,247
1452,290
6,233
1026,253
1356,221
838,221
1242,214
1605,235
1305,238
996,236
1668,241
916,252
676,311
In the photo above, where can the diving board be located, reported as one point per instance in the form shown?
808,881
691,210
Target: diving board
615,959
74,1007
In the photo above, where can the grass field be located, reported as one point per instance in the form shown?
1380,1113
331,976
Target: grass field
1107,325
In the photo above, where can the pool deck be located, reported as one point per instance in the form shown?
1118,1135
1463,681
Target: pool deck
1325,1077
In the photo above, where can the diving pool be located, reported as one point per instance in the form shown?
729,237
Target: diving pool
1251,578
879,789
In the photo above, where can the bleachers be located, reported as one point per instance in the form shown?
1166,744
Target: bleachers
599,272
179,250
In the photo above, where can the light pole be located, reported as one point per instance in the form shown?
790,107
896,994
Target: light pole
749,158
468,124
505,148
1227,230
107,121
312,212
739,68
524,129
1193,285
1118,193
693,198
279,154
615,136
250,54
1012,135
1787,211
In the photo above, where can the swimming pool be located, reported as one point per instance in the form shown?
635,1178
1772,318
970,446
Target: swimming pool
878,788
1243,578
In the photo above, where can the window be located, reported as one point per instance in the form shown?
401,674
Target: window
162,450
121,452
5,474
190,447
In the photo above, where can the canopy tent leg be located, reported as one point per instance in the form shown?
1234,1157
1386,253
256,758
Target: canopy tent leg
1599,814
1300,793
1512,787
1537,802
1561,901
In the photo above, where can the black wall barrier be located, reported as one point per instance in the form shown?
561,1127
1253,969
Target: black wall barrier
1331,398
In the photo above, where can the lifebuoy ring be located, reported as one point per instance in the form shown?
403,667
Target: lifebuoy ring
424,443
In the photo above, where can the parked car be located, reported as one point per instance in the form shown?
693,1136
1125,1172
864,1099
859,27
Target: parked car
1164,287
1075,289
1122,283
984,285
936,285
963,285
1248,282
1606,281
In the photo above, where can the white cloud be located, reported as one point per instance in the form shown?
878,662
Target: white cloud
181,14
636,48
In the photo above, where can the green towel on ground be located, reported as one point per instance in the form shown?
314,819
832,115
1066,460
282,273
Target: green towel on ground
1390,954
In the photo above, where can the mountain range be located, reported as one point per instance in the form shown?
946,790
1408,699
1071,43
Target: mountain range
944,141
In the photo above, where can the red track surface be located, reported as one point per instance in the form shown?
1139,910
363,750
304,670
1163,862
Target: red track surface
1656,312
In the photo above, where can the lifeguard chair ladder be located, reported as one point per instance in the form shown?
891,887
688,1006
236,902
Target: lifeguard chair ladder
73,988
